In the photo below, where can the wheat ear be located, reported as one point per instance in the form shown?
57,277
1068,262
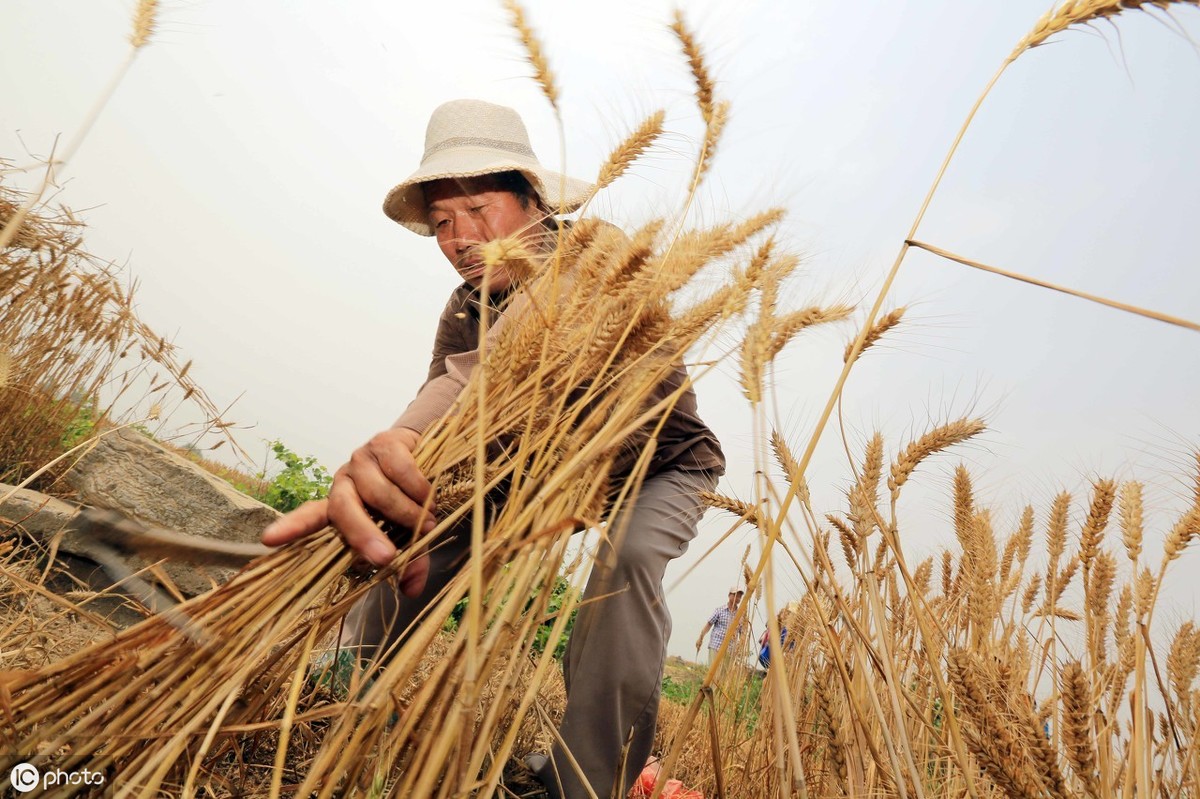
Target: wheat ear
630,150
934,441
533,52
1081,12
877,331
145,20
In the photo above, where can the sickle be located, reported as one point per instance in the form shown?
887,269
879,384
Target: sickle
112,537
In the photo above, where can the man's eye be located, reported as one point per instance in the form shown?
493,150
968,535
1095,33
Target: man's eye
476,209
441,223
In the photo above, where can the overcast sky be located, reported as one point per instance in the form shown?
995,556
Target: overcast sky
240,168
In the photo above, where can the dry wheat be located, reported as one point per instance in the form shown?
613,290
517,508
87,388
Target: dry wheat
932,442
877,331
1131,514
533,52
630,150
1082,12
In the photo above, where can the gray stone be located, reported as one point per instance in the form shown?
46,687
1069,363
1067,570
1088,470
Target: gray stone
42,517
133,475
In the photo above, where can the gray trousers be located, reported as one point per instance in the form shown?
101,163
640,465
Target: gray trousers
614,661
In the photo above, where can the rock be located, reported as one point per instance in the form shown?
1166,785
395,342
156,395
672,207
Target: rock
39,515
132,474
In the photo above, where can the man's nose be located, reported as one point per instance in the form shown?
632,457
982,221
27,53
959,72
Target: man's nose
466,232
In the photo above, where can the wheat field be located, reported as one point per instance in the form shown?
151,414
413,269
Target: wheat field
1017,663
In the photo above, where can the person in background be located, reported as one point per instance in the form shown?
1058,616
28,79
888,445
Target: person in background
764,643
719,623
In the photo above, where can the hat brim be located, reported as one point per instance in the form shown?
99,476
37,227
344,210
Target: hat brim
405,203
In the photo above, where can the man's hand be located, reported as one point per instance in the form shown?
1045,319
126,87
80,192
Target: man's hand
382,475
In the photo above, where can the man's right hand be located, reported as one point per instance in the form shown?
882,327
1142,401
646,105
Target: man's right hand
383,475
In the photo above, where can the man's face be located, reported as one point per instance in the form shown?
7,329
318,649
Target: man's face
467,212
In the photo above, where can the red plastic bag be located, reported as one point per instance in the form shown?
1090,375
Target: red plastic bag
644,786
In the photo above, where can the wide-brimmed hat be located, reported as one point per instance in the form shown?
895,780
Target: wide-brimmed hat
467,138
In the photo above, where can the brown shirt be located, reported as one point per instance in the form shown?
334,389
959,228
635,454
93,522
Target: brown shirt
685,441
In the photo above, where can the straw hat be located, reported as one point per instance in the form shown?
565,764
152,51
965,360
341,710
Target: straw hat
466,138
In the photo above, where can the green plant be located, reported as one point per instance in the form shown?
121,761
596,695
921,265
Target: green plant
681,693
557,596
301,479
749,700
81,424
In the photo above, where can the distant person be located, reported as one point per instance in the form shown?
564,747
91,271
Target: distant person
719,623
765,642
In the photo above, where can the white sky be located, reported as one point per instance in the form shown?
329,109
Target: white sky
240,168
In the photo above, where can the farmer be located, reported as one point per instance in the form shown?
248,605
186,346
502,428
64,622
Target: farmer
767,646
479,181
719,622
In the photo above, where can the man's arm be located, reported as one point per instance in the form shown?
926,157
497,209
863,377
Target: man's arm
712,620
704,632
